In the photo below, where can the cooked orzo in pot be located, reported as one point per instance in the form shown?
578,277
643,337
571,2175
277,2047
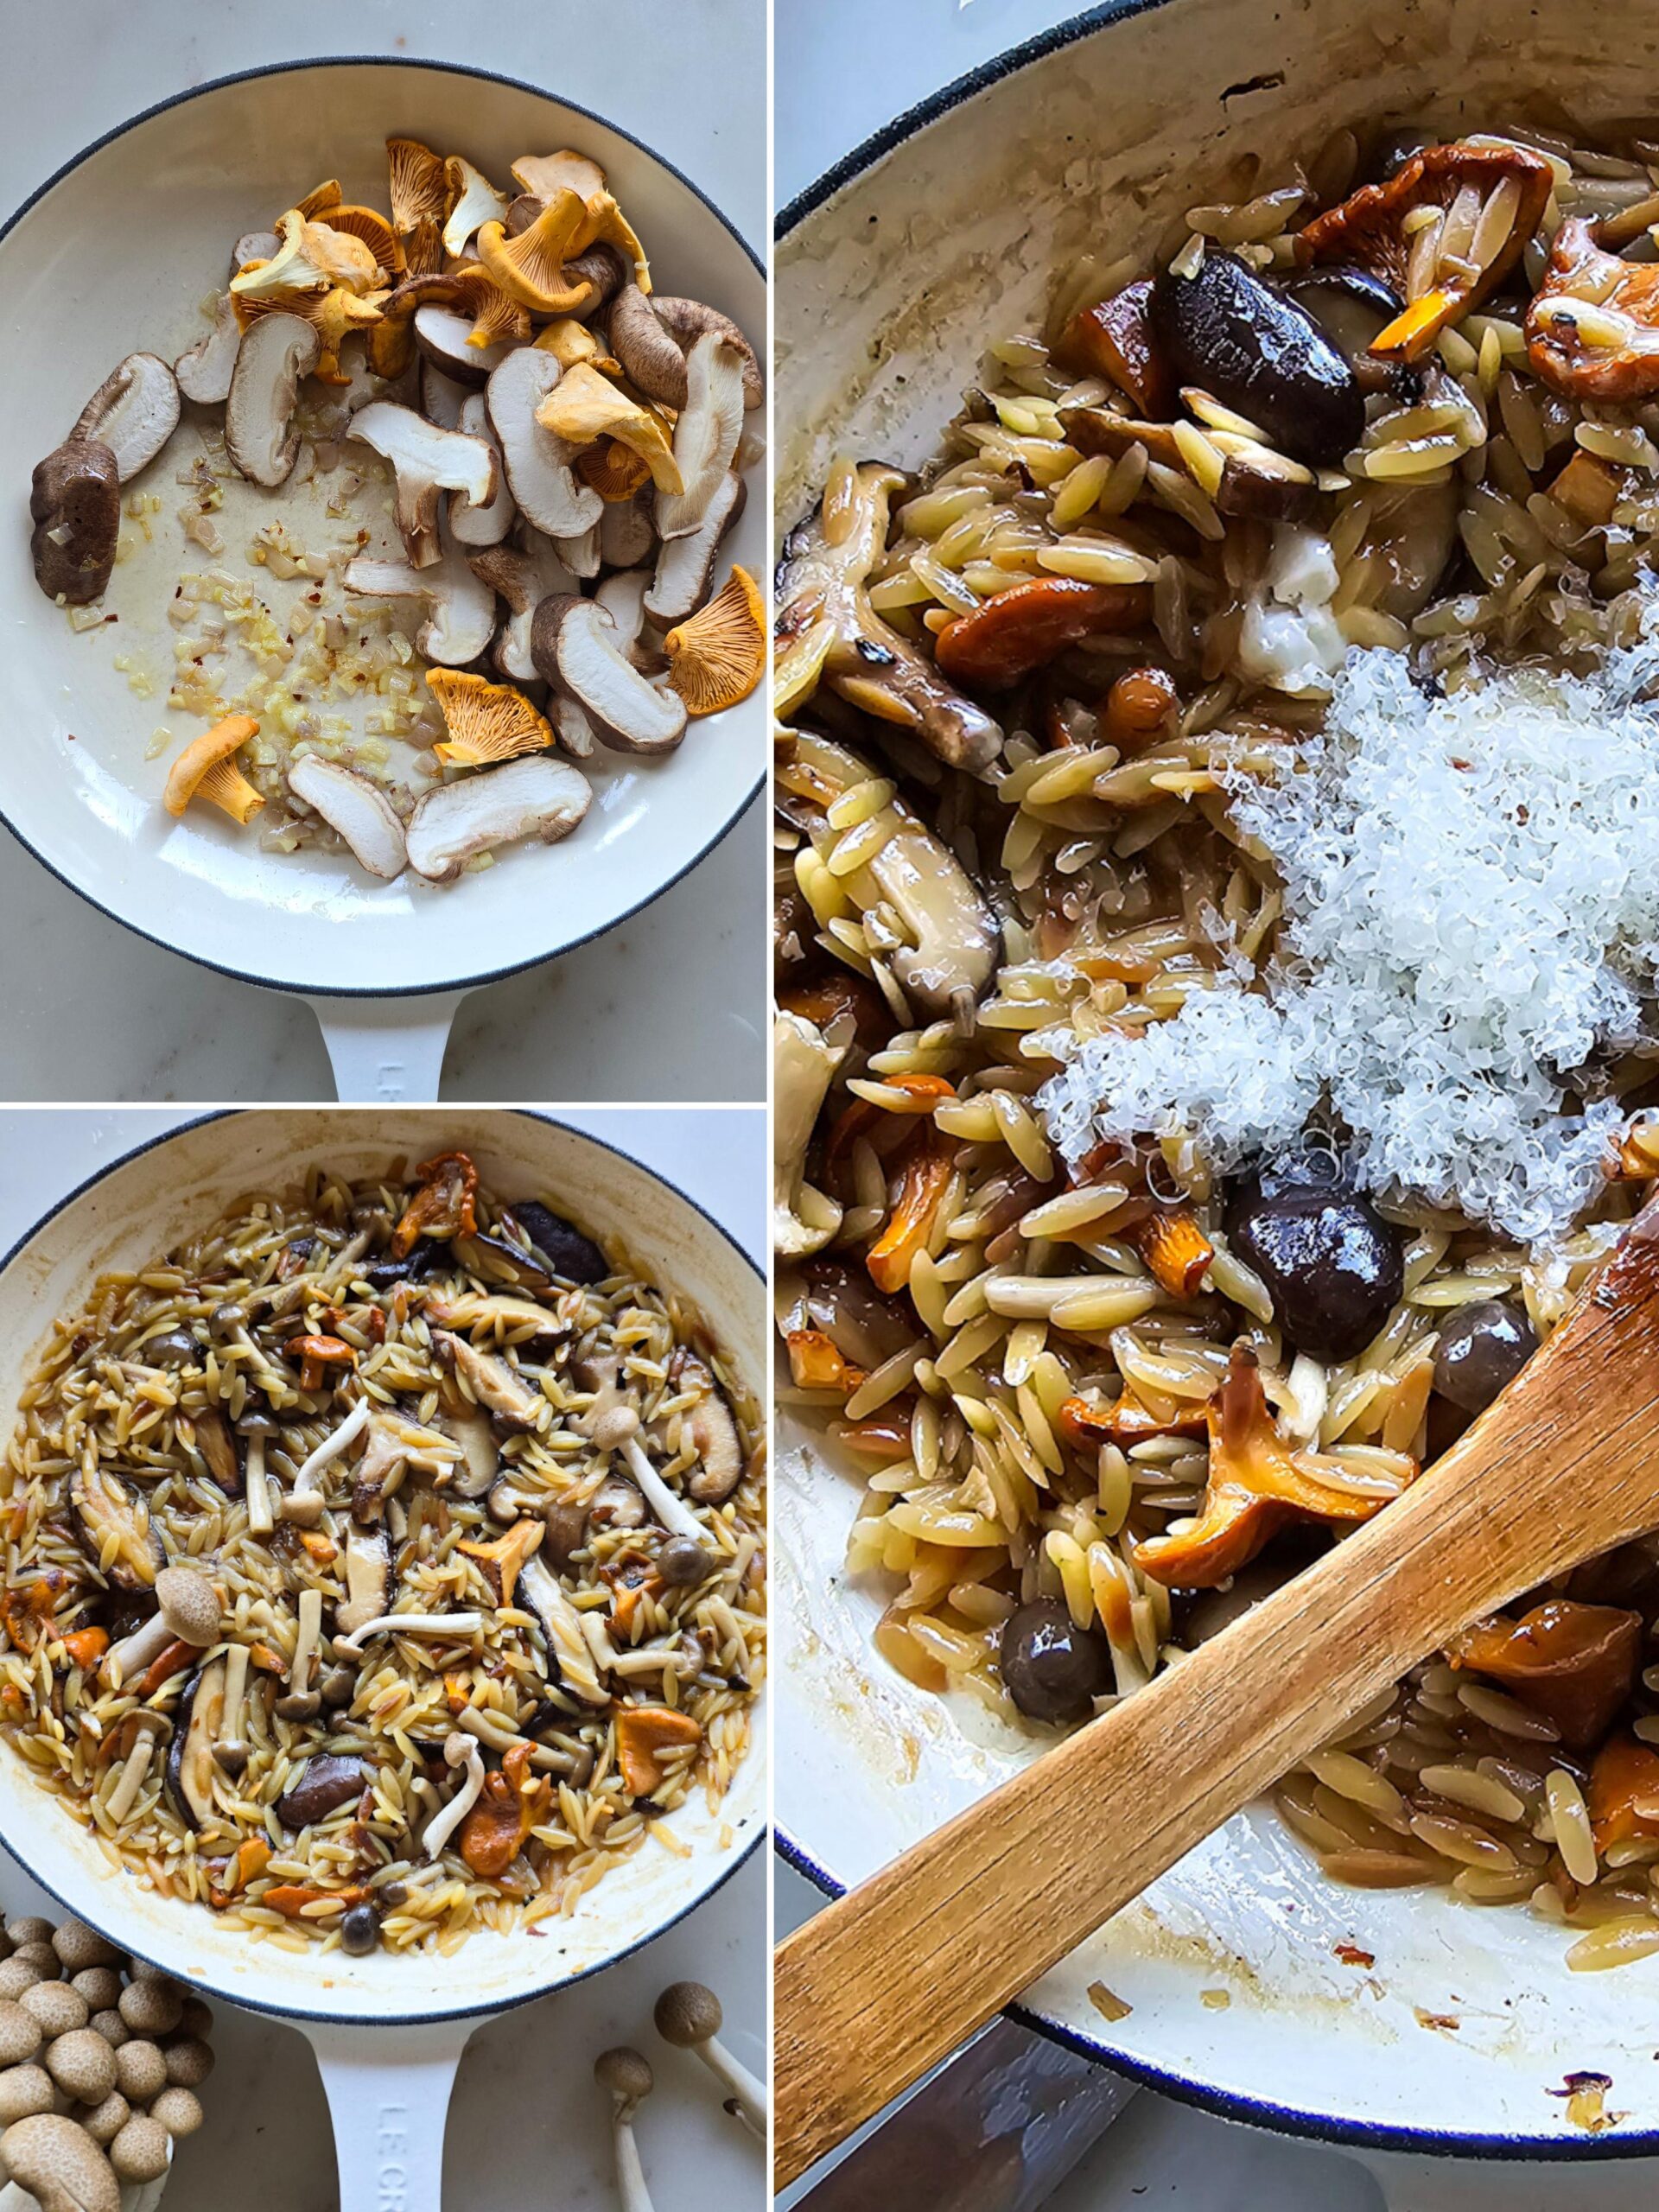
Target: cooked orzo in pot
1218,946
382,1562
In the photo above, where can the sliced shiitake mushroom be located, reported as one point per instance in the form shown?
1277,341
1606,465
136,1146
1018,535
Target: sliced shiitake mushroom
190,1762
321,1785
532,798
575,646
714,1431
1231,333
492,1382
134,412
825,616
110,1515
74,502
953,937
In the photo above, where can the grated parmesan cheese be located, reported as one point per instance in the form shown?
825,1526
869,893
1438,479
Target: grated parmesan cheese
1471,889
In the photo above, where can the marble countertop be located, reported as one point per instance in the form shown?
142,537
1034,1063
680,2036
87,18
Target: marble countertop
527,2126
670,1003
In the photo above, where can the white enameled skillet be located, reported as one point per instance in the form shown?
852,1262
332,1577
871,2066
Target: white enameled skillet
893,275
114,255
388,2032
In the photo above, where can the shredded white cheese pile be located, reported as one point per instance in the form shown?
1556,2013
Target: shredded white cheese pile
1472,914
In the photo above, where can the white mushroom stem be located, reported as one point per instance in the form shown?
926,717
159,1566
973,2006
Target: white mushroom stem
671,1512
630,2173
456,1624
443,1824
305,1502
123,1660
261,1521
137,1766
746,2098
626,2077
305,1646
187,1607
236,1685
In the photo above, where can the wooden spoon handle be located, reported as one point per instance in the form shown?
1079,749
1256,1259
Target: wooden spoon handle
881,1985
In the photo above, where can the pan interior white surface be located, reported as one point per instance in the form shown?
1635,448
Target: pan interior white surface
1468,2020
115,258
135,1211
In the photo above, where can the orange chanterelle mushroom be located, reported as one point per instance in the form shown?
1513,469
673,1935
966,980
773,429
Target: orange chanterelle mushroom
1592,329
443,1204
717,657
1255,1485
486,722
1483,203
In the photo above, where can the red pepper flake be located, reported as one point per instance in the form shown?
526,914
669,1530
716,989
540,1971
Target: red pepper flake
1352,1956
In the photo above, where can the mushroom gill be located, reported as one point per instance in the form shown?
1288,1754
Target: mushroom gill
486,722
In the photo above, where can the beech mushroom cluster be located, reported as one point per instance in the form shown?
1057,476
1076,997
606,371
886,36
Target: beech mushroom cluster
551,425
100,2061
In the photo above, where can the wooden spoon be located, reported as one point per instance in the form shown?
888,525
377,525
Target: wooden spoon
887,1982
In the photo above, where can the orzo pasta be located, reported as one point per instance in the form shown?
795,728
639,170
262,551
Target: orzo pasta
1218,943
382,1562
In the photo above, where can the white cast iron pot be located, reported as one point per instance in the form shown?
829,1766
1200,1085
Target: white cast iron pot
388,2030
892,276
113,256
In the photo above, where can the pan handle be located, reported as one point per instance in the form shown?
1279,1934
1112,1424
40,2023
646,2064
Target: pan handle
388,2091
390,1049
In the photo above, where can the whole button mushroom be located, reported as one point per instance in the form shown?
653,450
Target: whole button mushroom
23,2090
178,2110
625,2075
1482,1349
359,1934
57,2007
111,2025
682,1564
81,1948
1334,1267
60,2165
15,1976
83,2065
688,2015
105,2121
1052,1668
187,1611
142,2150
188,2061
151,2006
20,2034
29,1928
99,1985
141,2070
